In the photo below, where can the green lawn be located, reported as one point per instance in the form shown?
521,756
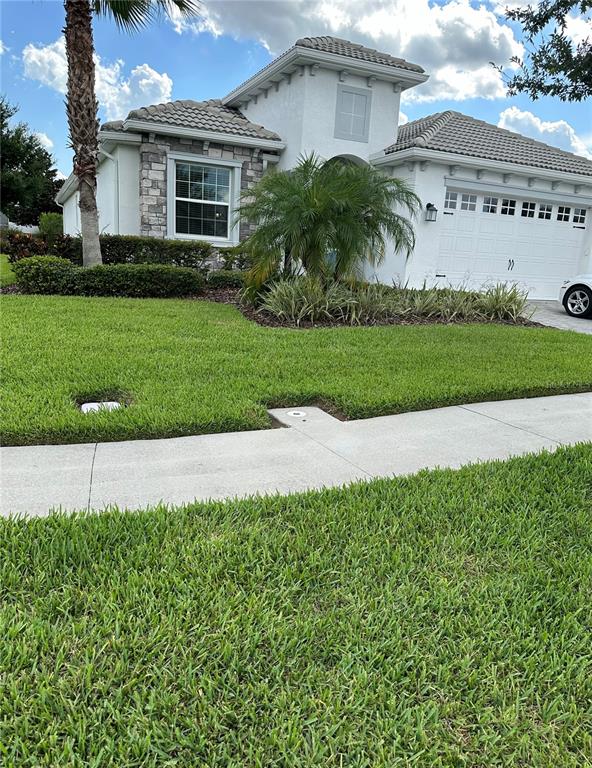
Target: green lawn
193,366
438,620
6,274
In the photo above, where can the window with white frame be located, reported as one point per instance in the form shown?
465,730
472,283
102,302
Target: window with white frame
468,202
451,199
545,211
202,199
490,205
563,213
352,113
528,210
579,216
508,207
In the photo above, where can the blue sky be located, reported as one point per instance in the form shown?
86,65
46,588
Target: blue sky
454,40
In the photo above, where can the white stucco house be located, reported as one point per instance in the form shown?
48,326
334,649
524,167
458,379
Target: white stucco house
498,206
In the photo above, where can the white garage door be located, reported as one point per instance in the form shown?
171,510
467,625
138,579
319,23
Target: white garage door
488,238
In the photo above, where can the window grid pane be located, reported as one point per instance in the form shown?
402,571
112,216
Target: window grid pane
579,216
202,200
563,213
490,205
528,210
545,211
450,201
468,202
508,207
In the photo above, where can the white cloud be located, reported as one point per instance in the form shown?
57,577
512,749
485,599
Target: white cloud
117,94
403,118
578,29
44,139
454,42
559,133
3,47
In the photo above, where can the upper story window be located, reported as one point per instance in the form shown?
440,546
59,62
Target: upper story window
528,210
579,216
508,207
451,199
202,200
563,213
468,202
352,115
490,205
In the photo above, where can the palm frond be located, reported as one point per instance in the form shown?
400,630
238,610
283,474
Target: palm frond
132,15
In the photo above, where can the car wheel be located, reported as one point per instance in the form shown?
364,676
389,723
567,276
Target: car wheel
578,301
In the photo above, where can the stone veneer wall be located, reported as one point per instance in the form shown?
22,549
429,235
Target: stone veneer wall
153,175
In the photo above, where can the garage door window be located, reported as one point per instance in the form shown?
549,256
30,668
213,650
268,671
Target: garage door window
528,210
468,202
579,216
490,205
508,207
563,213
545,211
451,199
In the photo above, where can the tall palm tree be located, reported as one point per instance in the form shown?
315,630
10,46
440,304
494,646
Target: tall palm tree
81,99
328,218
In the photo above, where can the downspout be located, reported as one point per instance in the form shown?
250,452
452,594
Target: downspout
116,163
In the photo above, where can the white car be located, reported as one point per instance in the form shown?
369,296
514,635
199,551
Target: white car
576,296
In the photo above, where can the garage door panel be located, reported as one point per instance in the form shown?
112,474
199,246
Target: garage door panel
478,247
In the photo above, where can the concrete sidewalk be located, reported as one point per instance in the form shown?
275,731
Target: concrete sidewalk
551,313
315,451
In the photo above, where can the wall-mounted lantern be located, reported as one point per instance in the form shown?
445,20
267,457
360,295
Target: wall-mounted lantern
431,212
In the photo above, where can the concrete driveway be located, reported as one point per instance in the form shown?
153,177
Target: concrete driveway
551,313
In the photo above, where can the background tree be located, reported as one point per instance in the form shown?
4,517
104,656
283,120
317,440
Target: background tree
81,101
555,64
328,218
28,176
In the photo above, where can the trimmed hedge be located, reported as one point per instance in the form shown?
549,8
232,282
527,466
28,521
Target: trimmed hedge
226,278
115,249
50,274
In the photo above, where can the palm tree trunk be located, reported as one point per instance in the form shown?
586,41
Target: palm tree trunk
81,105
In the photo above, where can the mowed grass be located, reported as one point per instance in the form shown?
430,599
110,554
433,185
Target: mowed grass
190,367
7,276
437,620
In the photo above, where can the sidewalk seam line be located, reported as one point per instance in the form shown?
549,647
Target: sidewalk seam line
335,453
92,469
514,426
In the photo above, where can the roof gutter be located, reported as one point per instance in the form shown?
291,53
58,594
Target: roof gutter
450,158
195,133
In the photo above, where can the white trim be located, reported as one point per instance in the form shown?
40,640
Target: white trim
297,56
233,202
213,136
506,190
120,137
450,158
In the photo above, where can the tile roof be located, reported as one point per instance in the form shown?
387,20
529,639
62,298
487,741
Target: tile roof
209,115
336,45
454,132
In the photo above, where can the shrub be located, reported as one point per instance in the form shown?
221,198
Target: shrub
51,226
226,278
45,274
115,249
50,274
235,257
139,280
305,299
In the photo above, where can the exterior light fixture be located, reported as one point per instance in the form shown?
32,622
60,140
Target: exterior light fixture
431,212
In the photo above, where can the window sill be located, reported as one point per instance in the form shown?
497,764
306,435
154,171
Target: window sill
221,242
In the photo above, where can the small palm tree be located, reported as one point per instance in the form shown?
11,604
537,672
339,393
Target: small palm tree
328,218
81,99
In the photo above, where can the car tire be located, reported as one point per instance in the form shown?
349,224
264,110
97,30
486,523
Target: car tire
577,301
